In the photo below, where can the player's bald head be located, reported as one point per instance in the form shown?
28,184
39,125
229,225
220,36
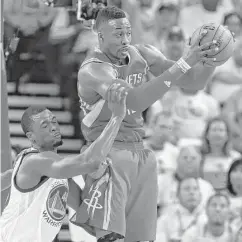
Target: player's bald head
106,15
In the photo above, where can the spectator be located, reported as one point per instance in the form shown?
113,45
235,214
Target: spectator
217,227
234,23
31,21
237,6
162,142
233,111
188,165
205,11
217,153
235,191
227,77
183,215
174,43
166,16
67,33
190,111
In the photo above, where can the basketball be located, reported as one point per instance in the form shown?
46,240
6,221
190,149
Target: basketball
224,39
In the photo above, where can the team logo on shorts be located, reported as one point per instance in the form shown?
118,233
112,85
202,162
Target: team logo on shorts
56,202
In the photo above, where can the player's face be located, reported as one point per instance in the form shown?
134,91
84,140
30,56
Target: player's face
218,210
116,38
217,133
189,193
46,130
236,179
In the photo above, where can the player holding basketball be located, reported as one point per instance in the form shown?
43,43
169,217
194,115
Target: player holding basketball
40,188
123,204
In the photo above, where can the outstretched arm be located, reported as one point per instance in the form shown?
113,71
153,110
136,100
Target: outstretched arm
98,77
52,165
158,63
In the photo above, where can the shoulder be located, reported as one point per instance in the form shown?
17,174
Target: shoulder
150,53
91,72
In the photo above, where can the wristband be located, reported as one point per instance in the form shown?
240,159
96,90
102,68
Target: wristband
182,64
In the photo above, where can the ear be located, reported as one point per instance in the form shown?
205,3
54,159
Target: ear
100,36
31,137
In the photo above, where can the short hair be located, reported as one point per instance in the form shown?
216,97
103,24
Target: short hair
180,182
218,194
26,120
229,15
231,169
168,6
109,13
206,149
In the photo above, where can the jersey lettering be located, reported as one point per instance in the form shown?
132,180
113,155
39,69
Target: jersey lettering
134,79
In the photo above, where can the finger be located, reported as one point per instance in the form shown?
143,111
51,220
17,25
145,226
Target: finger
109,95
124,96
207,53
207,59
112,92
209,45
200,38
120,93
115,93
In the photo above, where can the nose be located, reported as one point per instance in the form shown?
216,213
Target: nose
125,40
53,127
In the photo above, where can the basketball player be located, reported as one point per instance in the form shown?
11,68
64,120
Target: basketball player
39,190
126,205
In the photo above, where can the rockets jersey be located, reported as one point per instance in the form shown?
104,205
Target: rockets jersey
96,111
36,214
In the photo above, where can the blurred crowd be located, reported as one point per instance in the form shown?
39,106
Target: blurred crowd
196,137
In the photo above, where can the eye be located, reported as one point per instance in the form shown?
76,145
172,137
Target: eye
44,125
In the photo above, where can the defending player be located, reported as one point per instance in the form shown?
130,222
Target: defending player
125,204
40,188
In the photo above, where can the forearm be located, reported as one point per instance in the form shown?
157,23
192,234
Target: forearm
72,166
89,160
102,146
139,99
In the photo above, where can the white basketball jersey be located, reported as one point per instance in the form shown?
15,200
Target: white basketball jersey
34,215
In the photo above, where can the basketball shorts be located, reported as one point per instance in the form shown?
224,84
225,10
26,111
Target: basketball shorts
124,199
